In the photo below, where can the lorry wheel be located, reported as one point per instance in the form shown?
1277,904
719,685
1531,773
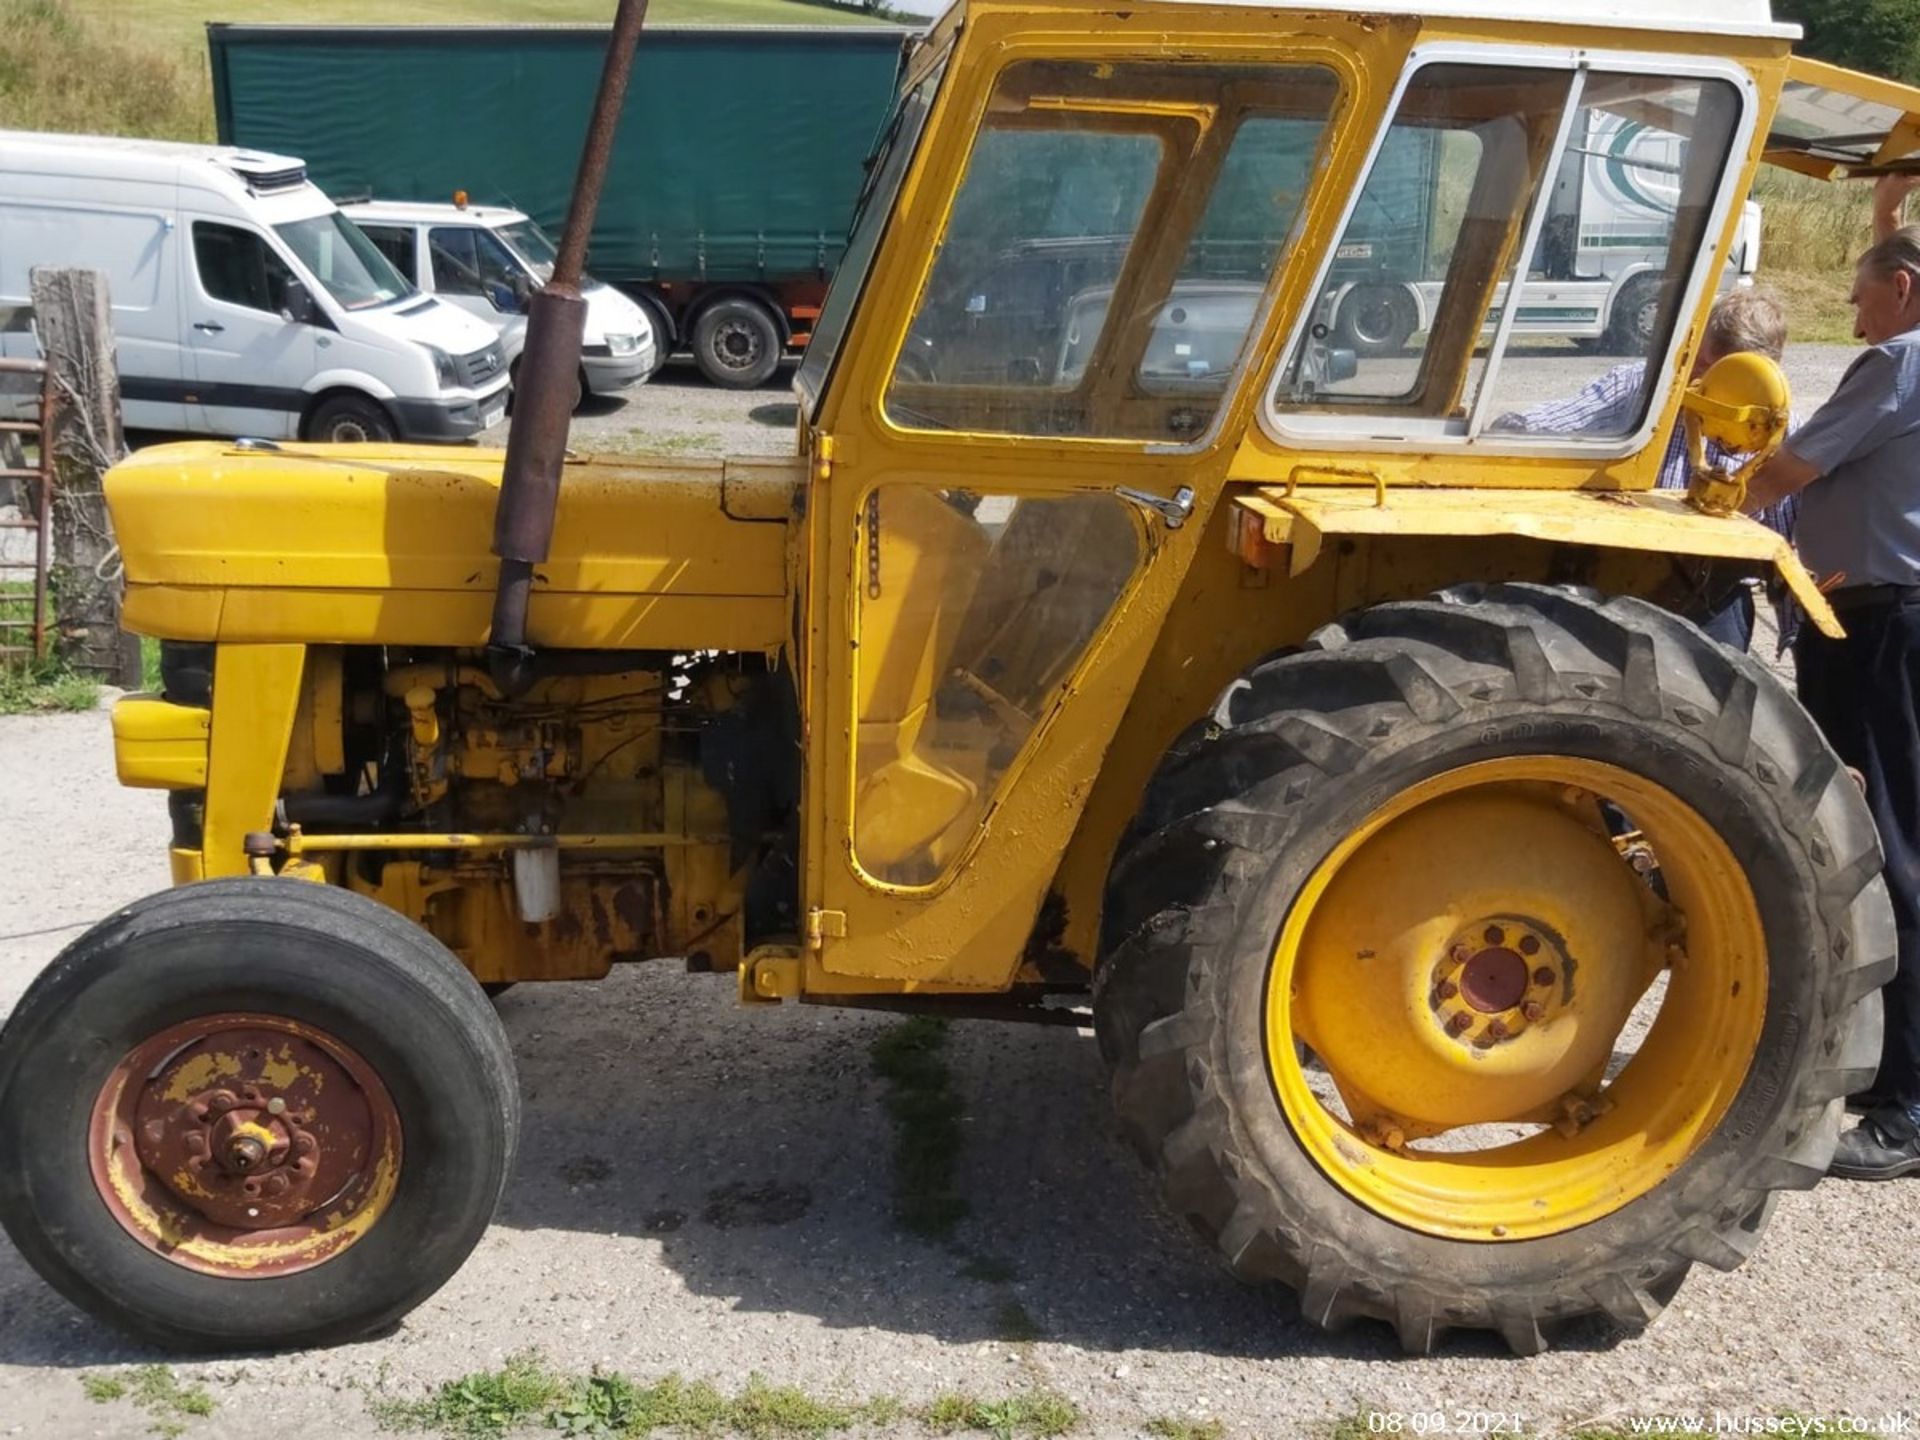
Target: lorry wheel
737,343
350,420
1408,1018
253,1114
1376,319
1636,316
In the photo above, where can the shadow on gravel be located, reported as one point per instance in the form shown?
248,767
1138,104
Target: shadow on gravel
752,1148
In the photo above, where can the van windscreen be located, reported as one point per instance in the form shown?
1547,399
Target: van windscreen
340,257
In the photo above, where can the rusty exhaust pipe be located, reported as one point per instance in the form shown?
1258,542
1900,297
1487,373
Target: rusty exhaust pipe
543,395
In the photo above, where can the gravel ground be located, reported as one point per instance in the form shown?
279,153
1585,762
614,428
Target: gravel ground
654,1104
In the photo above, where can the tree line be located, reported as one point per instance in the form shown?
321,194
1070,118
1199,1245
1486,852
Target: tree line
1878,36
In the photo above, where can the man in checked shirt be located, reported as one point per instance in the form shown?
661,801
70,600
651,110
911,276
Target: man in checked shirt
1742,320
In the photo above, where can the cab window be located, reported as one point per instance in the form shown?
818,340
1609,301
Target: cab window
1108,252
239,267
1508,204
470,261
398,243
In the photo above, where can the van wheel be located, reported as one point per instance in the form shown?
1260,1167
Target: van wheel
513,387
253,1114
663,341
737,343
350,420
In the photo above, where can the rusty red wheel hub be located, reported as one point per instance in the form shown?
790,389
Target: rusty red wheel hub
245,1145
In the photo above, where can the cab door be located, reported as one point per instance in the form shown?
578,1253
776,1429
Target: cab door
1014,458
250,362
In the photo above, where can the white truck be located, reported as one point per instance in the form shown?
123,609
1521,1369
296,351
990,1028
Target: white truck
244,302
488,260
1596,277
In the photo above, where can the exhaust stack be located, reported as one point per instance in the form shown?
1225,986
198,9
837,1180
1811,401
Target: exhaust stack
544,393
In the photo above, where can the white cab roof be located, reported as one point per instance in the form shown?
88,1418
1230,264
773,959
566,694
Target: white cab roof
1700,17
228,169
412,212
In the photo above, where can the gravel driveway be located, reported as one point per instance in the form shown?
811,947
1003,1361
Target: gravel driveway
706,1190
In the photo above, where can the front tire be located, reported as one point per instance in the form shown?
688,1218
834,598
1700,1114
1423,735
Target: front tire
350,420
1320,871
180,1086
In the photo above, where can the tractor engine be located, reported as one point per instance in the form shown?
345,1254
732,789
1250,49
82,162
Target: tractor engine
546,834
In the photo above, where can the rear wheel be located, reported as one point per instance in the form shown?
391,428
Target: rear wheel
737,343
252,1114
1377,319
350,420
1636,316
1491,961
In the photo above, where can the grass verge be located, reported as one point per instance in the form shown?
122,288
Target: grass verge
526,1392
44,687
170,1406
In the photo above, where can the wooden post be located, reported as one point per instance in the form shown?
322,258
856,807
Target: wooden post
74,318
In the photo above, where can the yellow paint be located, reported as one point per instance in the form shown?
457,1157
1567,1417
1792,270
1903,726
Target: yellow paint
393,547
160,746
1658,522
254,700
201,1072
310,550
1360,954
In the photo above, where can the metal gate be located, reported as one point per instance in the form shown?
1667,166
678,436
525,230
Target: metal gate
26,490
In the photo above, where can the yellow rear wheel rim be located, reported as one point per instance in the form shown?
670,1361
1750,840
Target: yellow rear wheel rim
1471,956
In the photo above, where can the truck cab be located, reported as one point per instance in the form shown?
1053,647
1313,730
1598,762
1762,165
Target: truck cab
487,261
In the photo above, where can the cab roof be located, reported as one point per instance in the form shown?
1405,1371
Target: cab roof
1700,17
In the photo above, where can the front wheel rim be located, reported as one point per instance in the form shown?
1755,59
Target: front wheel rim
1487,985
245,1145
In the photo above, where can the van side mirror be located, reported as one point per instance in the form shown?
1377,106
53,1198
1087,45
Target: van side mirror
298,307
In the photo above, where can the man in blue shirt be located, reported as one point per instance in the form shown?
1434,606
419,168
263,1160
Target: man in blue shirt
1856,468
1748,319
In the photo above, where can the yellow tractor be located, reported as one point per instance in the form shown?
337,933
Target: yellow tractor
1474,943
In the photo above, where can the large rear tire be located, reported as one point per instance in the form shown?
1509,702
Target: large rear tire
1341,868
737,343
253,1114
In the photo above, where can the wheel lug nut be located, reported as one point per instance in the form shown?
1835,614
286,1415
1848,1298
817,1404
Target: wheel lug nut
1460,954
276,1106
1497,1029
1543,976
1529,944
1495,935
1533,1010
1460,1024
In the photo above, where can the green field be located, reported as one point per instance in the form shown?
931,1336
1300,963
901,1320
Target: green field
181,23
139,67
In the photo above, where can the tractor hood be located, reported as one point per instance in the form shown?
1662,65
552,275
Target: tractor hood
391,545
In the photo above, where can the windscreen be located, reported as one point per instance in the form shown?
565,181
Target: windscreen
340,257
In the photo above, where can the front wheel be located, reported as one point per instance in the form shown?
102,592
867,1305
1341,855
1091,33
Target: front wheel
350,420
1492,960
253,1114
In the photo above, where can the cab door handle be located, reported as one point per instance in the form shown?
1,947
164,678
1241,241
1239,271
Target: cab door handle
211,327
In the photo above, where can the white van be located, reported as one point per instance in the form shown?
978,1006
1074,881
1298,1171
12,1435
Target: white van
489,260
244,302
